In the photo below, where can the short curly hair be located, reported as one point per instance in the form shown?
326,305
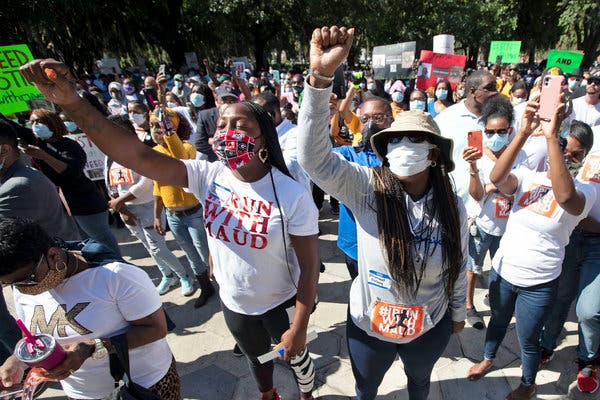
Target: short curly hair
22,242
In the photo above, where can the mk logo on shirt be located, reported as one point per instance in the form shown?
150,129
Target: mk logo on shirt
60,319
237,219
539,199
591,169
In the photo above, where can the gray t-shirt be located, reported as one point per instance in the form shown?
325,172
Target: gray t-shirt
26,192
377,306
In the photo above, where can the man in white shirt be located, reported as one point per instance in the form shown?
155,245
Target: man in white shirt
457,120
587,108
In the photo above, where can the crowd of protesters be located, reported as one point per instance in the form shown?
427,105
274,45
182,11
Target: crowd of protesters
237,164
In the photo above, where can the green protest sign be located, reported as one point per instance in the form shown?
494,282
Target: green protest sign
509,51
566,60
15,90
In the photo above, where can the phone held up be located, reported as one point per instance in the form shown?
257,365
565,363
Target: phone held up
474,139
550,95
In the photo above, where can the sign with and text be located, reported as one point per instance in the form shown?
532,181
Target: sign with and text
566,60
15,90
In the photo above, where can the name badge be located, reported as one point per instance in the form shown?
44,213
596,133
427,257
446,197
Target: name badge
379,279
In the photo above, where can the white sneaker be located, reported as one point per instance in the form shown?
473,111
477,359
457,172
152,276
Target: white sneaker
187,287
166,283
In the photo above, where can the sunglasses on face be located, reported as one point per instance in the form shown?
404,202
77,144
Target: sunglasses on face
411,138
593,81
31,280
377,118
502,131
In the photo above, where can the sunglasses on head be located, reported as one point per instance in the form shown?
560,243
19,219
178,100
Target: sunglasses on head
502,131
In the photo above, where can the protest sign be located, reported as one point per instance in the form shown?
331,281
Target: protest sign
191,59
435,66
15,90
240,64
508,52
94,167
566,60
394,61
108,66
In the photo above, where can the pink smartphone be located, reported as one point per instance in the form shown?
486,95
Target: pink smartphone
550,96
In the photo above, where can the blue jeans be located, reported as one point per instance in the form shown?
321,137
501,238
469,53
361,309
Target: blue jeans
95,226
153,242
9,331
566,292
190,234
531,306
480,244
588,301
372,357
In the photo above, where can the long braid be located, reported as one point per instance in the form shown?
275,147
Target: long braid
395,233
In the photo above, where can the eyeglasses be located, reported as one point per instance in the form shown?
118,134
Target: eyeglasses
411,138
490,87
31,280
593,81
502,131
377,118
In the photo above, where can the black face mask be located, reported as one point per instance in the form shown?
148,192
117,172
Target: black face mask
370,129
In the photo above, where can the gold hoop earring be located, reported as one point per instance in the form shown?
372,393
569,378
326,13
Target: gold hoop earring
433,164
263,155
60,270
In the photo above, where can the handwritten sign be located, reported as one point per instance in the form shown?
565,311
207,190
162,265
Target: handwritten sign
15,90
507,51
94,167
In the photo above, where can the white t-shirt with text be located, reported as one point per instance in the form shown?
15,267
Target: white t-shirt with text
538,229
98,303
245,236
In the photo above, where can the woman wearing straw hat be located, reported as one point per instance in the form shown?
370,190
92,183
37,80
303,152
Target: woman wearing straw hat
409,295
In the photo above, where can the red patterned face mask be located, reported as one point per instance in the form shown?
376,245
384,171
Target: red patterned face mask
234,149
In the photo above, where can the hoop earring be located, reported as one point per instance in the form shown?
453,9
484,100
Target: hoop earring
263,155
433,164
60,270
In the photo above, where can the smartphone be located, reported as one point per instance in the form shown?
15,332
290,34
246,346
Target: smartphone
550,95
162,68
276,76
474,139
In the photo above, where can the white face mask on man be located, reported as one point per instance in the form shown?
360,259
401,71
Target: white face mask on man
407,158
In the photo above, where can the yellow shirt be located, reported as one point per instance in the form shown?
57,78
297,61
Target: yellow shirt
396,109
175,197
353,125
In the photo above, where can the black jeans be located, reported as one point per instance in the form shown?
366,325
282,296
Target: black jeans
253,334
9,331
319,197
372,357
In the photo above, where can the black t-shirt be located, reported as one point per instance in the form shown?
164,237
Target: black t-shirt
81,194
207,125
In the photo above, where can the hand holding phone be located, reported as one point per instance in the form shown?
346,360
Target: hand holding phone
474,139
550,96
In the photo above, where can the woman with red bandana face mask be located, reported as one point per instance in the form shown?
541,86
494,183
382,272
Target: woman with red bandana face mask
261,224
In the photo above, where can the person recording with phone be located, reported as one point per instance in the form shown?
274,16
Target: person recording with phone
525,270
489,226
261,226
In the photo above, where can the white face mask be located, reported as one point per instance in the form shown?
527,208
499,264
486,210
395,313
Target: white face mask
407,158
137,119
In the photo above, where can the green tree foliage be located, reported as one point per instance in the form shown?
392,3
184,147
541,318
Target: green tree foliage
80,31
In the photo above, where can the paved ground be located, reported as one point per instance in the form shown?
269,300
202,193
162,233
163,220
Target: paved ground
202,346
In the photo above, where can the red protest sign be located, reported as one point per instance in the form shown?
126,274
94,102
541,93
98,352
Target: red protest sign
435,66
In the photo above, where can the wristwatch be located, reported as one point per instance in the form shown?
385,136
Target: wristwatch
100,350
